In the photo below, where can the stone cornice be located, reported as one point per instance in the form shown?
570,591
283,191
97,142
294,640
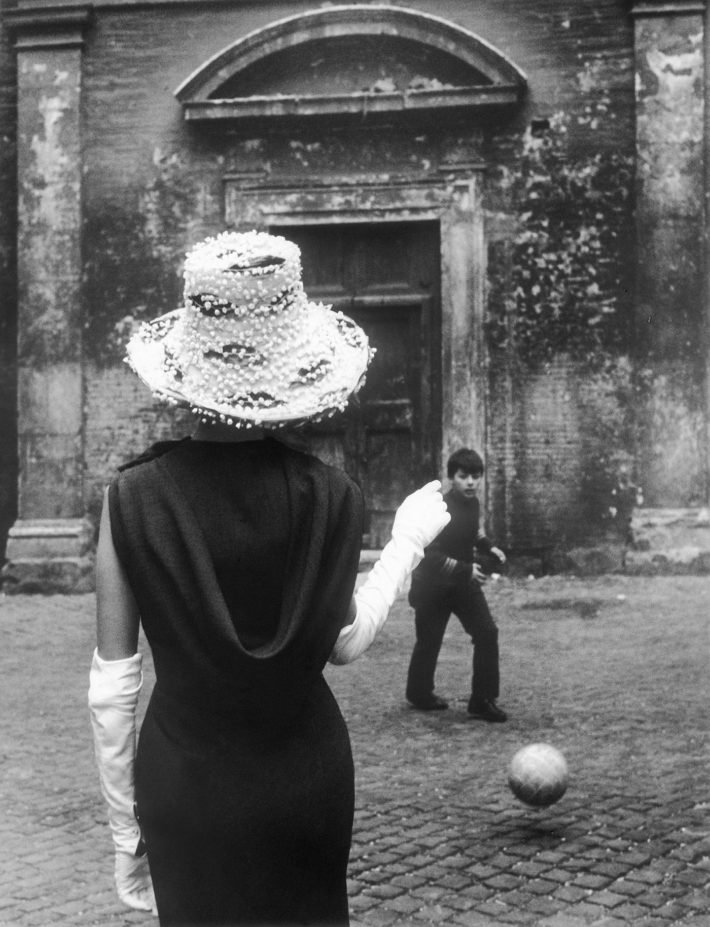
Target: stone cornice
138,4
641,8
57,26
494,80
666,8
360,104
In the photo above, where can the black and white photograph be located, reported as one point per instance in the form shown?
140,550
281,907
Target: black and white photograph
355,470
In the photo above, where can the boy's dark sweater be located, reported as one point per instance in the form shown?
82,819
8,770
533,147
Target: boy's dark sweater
456,542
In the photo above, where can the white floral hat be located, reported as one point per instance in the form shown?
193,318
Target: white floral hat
248,347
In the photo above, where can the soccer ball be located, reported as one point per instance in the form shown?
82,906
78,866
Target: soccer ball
538,775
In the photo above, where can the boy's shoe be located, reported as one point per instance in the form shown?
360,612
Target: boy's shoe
430,703
487,710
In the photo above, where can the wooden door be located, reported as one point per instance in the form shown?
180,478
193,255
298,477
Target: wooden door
386,277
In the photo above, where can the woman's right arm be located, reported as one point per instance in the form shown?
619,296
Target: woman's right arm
115,682
117,616
417,522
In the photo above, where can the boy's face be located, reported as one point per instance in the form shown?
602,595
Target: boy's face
465,485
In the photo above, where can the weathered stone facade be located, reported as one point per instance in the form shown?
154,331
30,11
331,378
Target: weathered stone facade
8,282
554,150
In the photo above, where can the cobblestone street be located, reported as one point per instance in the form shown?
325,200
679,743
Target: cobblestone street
613,671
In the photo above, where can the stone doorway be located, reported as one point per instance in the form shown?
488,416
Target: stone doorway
446,209
387,277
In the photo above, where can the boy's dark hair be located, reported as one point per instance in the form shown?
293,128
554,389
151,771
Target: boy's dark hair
464,459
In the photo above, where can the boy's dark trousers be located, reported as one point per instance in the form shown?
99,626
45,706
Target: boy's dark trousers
432,609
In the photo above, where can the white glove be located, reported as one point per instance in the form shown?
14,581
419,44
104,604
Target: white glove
133,882
417,522
420,518
114,686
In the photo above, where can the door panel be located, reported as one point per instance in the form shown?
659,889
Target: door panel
386,277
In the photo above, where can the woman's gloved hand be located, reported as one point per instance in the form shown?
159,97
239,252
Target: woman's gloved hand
421,516
133,882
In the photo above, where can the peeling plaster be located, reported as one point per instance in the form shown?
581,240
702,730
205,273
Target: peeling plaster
176,205
591,77
676,74
592,82
677,440
670,115
51,159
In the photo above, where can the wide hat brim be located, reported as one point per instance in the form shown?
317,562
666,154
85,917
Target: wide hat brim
149,355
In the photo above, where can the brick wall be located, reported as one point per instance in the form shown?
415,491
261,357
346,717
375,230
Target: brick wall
122,420
535,457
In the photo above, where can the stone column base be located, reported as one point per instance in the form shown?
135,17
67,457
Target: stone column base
49,555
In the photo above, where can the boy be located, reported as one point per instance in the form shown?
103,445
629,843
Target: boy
450,580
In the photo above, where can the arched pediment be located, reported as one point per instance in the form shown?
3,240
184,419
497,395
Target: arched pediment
354,58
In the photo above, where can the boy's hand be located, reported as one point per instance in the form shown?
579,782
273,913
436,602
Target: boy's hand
497,552
478,576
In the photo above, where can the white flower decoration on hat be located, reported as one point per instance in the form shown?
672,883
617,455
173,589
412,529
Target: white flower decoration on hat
247,347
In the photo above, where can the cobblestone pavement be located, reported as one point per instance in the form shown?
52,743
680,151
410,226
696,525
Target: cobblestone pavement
613,671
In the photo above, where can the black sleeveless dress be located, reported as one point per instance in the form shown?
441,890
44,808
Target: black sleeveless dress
242,558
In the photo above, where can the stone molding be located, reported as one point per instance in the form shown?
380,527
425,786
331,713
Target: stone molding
502,83
454,201
49,556
48,26
682,8
37,537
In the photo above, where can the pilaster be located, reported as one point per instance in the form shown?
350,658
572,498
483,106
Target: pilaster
669,65
47,549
